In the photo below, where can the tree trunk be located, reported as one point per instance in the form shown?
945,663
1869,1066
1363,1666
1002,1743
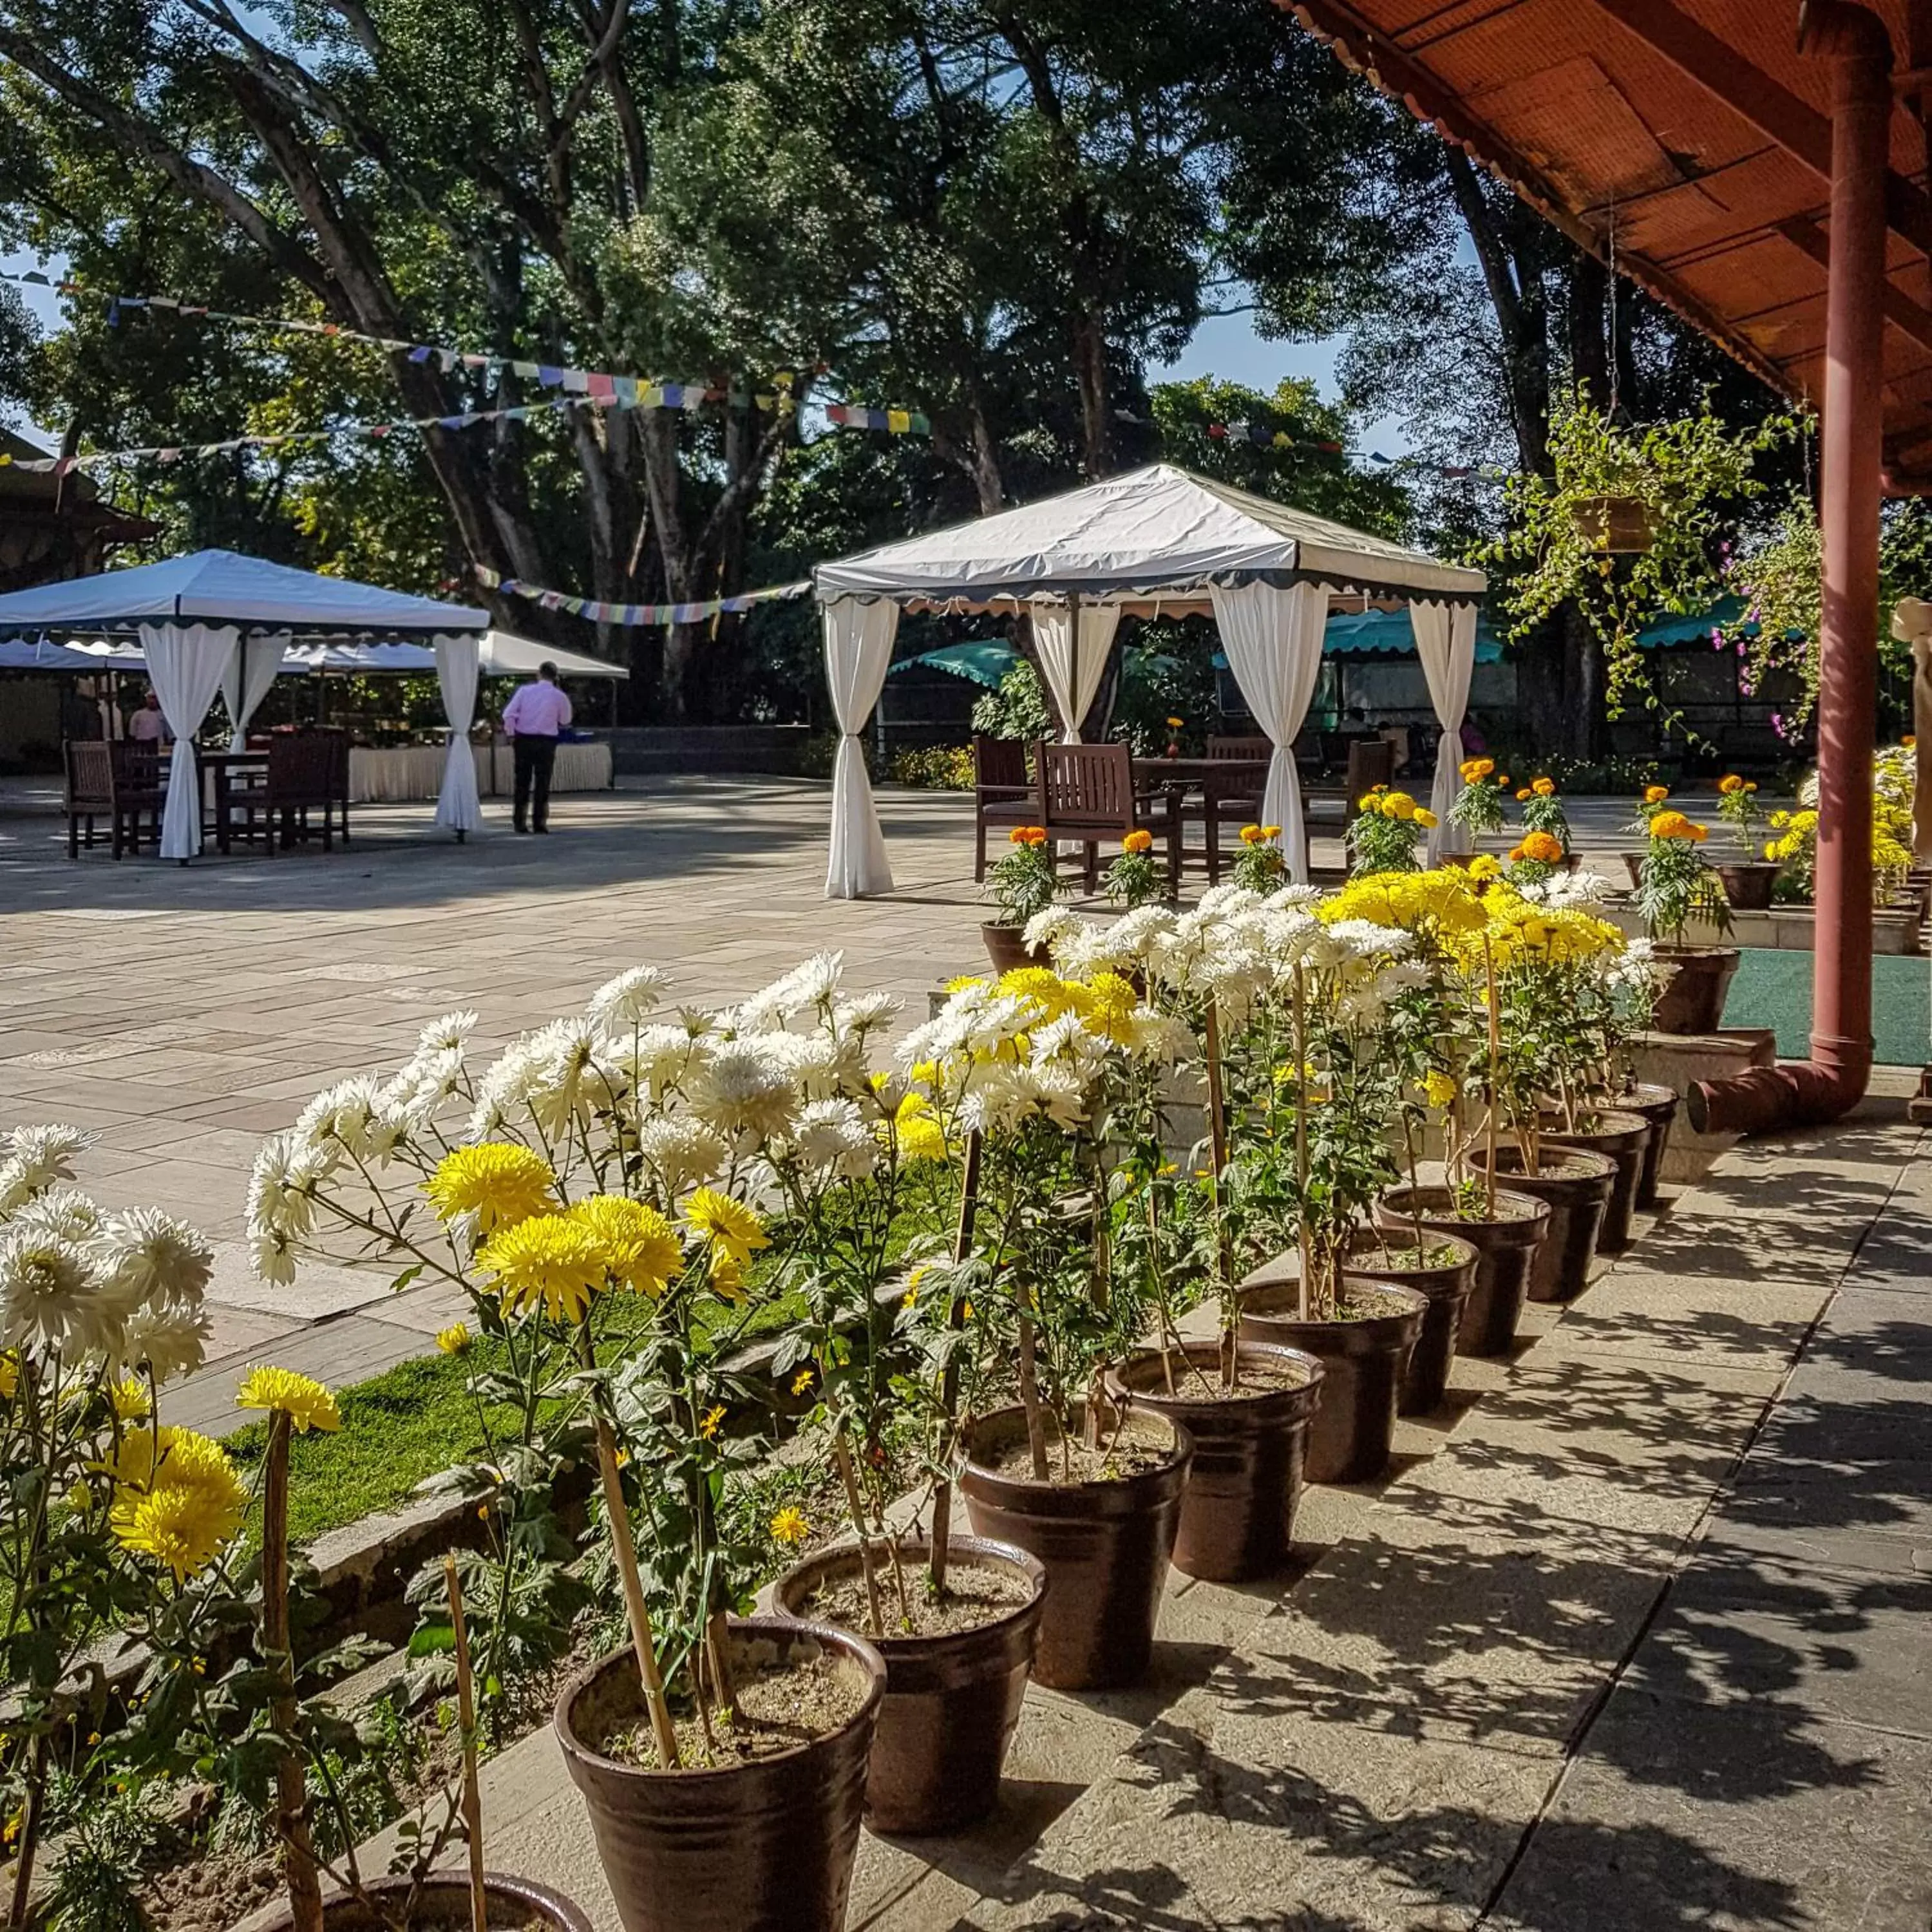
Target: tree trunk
1089,369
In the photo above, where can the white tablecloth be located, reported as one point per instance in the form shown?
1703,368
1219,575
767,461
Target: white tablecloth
399,773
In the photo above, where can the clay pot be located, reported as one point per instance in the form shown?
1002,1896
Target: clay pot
1617,525
1105,1546
1623,1137
1007,947
1446,1288
769,1845
1576,1185
1748,883
1692,1000
443,1905
951,1701
1362,1364
1238,1507
1633,865
1505,1250
1658,1105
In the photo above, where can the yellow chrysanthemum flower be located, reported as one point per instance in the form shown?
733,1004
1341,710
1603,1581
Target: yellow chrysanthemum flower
1426,818
455,1340
131,1401
181,1525
1484,868
713,1419
789,1526
728,1226
306,1402
916,1127
497,1182
727,1277
10,1375
548,1262
801,1381
1108,1010
1052,993
1439,1089
1141,840
640,1247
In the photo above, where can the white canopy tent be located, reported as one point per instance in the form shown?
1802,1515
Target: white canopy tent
1159,539
206,620
499,654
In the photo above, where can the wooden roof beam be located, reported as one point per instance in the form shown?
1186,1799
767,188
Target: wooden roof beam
1769,105
1901,311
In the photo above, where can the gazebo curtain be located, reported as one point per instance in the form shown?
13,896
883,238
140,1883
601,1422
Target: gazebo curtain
458,673
185,662
858,652
251,669
1445,641
1073,674
1273,636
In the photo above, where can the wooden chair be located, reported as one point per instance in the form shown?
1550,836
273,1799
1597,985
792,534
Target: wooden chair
1371,763
1240,806
118,781
1004,796
1088,796
301,779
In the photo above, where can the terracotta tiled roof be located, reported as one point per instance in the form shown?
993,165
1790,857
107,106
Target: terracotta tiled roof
1697,133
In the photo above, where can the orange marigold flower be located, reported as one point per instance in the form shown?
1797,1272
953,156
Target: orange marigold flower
1543,787
1655,794
1729,783
1522,794
1252,835
1142,841
1543,846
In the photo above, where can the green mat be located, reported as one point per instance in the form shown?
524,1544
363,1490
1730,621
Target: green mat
1774,989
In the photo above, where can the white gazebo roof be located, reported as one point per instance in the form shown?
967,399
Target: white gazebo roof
1149,533
218,586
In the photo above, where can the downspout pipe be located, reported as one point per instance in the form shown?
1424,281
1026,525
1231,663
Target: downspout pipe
1811,1092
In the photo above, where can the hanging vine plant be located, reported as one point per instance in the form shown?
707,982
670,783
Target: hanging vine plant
1781,581
1629,526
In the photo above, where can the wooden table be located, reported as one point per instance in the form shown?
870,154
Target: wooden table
1217,780
224,766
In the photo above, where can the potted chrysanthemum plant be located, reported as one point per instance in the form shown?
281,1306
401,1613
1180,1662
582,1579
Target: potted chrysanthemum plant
1676,886
98,1308
593,1196
1023,884
1387,827
1748,879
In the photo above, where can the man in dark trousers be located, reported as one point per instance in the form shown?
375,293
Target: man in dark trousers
535,714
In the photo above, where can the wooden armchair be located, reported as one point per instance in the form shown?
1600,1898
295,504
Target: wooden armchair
1237,801
1088,796
1004,796
302,777
115,780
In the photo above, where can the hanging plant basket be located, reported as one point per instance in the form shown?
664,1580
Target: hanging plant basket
1621,526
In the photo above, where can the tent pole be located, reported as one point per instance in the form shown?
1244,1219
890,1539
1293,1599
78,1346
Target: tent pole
1074,723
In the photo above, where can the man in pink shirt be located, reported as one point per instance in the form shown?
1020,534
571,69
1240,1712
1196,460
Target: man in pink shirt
535,715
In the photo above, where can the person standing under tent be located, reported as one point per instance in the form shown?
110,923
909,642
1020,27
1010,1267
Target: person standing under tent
147,726
535,714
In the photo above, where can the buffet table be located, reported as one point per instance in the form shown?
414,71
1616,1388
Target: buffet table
399,774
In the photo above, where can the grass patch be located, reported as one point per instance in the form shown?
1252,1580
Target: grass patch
398,1429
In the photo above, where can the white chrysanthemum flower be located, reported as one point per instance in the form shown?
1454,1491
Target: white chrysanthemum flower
1056,1090
1049,927
864,1013
54,1297
340,1119
169,1339
833,1138
282,1186
745,1088
65,1215
681,1152
1293,898
36,1158
806,988
272,1250
821,1064
1364,940
549,1075
662,1059
624,1002
448,1034
152,1259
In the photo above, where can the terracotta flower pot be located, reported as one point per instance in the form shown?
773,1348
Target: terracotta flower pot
1576,1185
1658,1105
1105,1546
1622,1137
1364,1361
1748,883
1692,1000
768,1845
443,1905
1633,865
1506,1249
1238,1507
1446,1287
951,1701
1007,947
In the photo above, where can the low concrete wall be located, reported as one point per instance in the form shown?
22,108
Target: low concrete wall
641,749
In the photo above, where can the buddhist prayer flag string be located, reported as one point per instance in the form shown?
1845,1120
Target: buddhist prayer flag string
598,611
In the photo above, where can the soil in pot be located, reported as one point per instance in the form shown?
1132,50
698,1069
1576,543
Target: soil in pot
443,1905
1007,947
1442,1270
1692,1000
1505,1247
1103,1525
1622,1137
1576,1185
1658,1105
1748,883
1363,1349
765,1840
1238,1510
956,1670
